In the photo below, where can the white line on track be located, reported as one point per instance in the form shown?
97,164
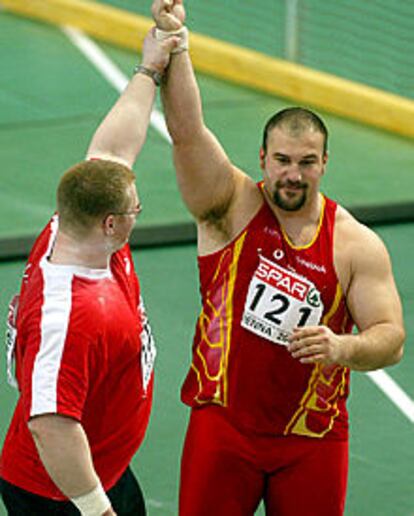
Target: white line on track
394,392
111,72
119,81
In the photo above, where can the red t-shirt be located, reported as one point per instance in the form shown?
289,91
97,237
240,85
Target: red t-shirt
254,291
83,349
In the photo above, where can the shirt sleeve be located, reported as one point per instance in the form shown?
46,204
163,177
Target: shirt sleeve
56,375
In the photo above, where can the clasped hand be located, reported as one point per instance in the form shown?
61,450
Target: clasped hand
169,15
316,344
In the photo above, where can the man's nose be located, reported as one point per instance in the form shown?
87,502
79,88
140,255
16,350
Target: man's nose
293,172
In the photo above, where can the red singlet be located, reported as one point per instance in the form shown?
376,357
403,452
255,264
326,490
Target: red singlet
254,291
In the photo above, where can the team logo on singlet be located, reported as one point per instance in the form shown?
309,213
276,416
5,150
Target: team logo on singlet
26,272
127,263
148,349
312,266
11,335
313,298
279,300
278,254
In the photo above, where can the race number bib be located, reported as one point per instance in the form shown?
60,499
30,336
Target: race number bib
148,349
279,300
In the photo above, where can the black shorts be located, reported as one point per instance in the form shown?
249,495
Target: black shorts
126,498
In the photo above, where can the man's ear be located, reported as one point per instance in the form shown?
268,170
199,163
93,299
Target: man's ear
324,162
262,156
109,225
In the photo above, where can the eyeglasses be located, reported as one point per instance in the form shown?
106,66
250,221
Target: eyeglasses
135,211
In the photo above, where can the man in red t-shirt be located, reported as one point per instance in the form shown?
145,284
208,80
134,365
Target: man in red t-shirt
285,273
78,331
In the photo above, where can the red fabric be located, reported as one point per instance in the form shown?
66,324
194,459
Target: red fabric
98,376
225,472
263,389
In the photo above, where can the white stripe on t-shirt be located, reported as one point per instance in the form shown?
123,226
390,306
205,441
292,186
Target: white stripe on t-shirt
57,302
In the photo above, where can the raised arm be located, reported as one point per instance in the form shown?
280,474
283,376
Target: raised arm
122,133
206,178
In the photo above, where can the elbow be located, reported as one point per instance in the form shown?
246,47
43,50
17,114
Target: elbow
184,133
398,350
398,355
395,357
181,137
388,352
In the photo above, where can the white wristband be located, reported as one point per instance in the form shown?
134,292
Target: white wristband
181,33
93,503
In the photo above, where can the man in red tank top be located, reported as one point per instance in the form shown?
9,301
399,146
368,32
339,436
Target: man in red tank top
283,281
79,334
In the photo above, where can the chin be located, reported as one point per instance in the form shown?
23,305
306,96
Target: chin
289,204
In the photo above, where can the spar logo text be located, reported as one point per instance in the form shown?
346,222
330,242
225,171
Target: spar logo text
281,279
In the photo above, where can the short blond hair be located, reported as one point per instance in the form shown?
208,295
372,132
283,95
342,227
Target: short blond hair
91,190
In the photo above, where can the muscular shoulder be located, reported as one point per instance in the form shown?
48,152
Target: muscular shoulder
356,247
353,233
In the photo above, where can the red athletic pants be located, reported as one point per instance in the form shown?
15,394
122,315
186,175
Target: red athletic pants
225,472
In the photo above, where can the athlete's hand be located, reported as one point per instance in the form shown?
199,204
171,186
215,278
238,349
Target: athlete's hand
168,14
316,344
156,54
109,512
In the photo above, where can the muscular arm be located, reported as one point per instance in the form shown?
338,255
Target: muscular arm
122,133
206,178
375,305
373,302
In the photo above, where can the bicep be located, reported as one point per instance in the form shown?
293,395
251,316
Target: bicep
206,177
64,450
372,297
53,426
53,432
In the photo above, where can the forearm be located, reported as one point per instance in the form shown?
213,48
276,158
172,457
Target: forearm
374,348
181,100
122,133
64,451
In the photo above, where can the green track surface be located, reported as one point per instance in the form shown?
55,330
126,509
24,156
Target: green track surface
366,42
51,101
381,451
